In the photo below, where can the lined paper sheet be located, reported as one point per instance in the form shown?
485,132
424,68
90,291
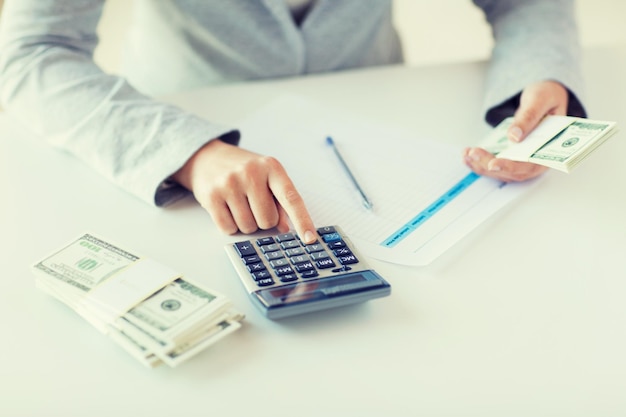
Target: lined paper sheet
402,174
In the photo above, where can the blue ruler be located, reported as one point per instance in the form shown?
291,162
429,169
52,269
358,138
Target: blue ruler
430,211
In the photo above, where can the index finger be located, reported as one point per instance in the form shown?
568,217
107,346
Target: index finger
290,200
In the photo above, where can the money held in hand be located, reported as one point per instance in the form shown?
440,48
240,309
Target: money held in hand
558,142
150,310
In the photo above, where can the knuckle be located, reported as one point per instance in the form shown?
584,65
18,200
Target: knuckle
271,162
268,220
290,195
265,224
247,226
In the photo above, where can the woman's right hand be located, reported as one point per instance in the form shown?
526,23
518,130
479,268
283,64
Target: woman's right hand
244,191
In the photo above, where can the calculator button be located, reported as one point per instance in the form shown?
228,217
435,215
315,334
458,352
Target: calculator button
256,267
290,244
294,252
288,277
325,230
304,266
265,241
331,237
319,255
342,252
270,248
299,259
348,259
261,275
279,262
247,260
265,282
274,255
283,270
337,244
309,274
314,248
285,236
245,248
325,263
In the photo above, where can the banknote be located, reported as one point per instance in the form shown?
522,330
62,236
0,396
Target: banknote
167,324
558,142
568,148
85,262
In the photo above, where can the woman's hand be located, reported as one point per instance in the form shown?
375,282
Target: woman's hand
537,101
244,191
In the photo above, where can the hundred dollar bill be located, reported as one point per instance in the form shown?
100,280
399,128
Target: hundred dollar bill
170,316
85,263
168,324
558,142
567,149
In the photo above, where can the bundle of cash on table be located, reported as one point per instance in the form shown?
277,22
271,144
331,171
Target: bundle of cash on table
558,142
153,312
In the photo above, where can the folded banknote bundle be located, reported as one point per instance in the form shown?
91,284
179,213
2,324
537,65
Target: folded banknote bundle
558,142
154,313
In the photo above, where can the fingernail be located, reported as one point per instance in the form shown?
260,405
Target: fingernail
491,166
473,154
308,236
515,133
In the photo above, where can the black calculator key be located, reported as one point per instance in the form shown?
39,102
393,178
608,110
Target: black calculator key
312,273
261,275
256,267
288,277
265,282
325,230
245,248
283,270
247,260
265,241
337,244
348,259
304,266
342,252
325,263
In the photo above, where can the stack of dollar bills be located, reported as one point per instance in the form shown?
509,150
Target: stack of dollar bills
150,310
558,142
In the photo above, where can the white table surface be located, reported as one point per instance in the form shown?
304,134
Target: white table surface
524,317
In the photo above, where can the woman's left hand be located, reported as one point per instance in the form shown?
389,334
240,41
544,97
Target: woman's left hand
536,101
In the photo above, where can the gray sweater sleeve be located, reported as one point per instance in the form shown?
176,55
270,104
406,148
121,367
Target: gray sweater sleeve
535,40
50,83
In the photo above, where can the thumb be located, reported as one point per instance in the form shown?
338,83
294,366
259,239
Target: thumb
537,101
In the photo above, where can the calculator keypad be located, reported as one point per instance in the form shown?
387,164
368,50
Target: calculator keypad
284,258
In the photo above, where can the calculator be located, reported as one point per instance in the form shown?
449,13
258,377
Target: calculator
284,276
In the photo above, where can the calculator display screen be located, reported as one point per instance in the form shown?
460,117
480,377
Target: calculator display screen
307,290
320,289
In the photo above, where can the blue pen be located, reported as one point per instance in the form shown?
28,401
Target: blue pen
366,201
